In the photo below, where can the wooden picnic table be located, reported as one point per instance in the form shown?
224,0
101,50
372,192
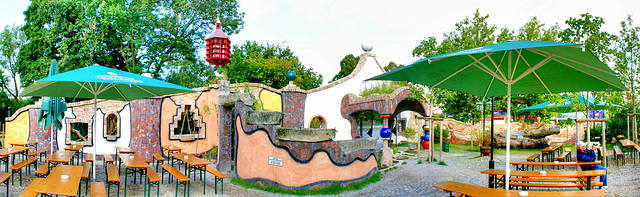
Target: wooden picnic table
135,164
123,150
550,152
77,150
25,143
522,165
11,151
193,164
474,190
60,156
54,185
620,137
629,147
171,149
573,174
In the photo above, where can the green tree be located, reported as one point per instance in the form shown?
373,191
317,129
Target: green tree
392,66
135,36
534,30
11,41
347,65
587,30
268,64
627,59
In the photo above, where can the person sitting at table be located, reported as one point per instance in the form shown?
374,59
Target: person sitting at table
589,155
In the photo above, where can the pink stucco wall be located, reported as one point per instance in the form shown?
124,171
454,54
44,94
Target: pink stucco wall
255,149
205,99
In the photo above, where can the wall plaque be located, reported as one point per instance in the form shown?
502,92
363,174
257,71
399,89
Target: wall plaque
275,161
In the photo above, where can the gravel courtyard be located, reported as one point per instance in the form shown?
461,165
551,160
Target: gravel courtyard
410,179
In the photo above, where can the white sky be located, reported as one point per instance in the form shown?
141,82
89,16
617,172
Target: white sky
322,32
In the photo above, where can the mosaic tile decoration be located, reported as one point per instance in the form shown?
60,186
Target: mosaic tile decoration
145,126
37,134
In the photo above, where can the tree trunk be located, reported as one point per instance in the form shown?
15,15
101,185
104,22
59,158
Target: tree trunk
530,138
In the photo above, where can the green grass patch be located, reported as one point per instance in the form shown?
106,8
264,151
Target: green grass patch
419,161
442,163
330,190
404,162
403,145
389,169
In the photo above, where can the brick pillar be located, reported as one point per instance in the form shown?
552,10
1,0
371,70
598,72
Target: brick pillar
225,150
293,109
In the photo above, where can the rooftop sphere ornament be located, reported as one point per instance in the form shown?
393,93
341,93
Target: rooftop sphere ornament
366,47
291,75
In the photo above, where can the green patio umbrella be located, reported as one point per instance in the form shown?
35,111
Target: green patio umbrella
99,82
516,67
565,106
52,109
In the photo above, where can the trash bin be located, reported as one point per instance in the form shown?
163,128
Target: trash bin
445,147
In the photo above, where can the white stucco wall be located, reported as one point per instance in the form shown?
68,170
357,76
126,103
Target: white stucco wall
104,146
328,102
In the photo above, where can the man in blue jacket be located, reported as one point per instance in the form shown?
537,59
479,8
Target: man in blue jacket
589,155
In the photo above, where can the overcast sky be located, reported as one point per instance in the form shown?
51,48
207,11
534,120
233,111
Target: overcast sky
322,32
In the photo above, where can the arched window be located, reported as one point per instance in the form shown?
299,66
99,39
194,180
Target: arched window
111,127
318,122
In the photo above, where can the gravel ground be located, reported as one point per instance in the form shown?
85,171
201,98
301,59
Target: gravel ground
410,179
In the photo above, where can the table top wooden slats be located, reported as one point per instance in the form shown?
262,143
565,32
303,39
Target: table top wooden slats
25,143
54,185
502,172
191,160
61,156
14,150
74,147
171,148
551,148
473,190
136,162
125,150
627,143
553,163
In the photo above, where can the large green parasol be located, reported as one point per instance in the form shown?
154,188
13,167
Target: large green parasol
52,109
99,82
516,67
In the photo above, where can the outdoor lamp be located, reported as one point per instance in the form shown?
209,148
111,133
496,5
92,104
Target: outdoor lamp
479,106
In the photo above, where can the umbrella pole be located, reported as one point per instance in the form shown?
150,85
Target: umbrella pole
95,145
508,139
491,162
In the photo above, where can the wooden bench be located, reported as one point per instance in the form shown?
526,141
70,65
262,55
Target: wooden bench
152,179
43,170
17,168
88,157
30,191
533,157
474,190
181,178
97,189
550,185
38,153
4,178
219,177
108,159
159,159
86,173
561,157
618,153
113,178
568,150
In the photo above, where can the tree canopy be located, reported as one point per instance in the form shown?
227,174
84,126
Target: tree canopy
134,36
268,64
